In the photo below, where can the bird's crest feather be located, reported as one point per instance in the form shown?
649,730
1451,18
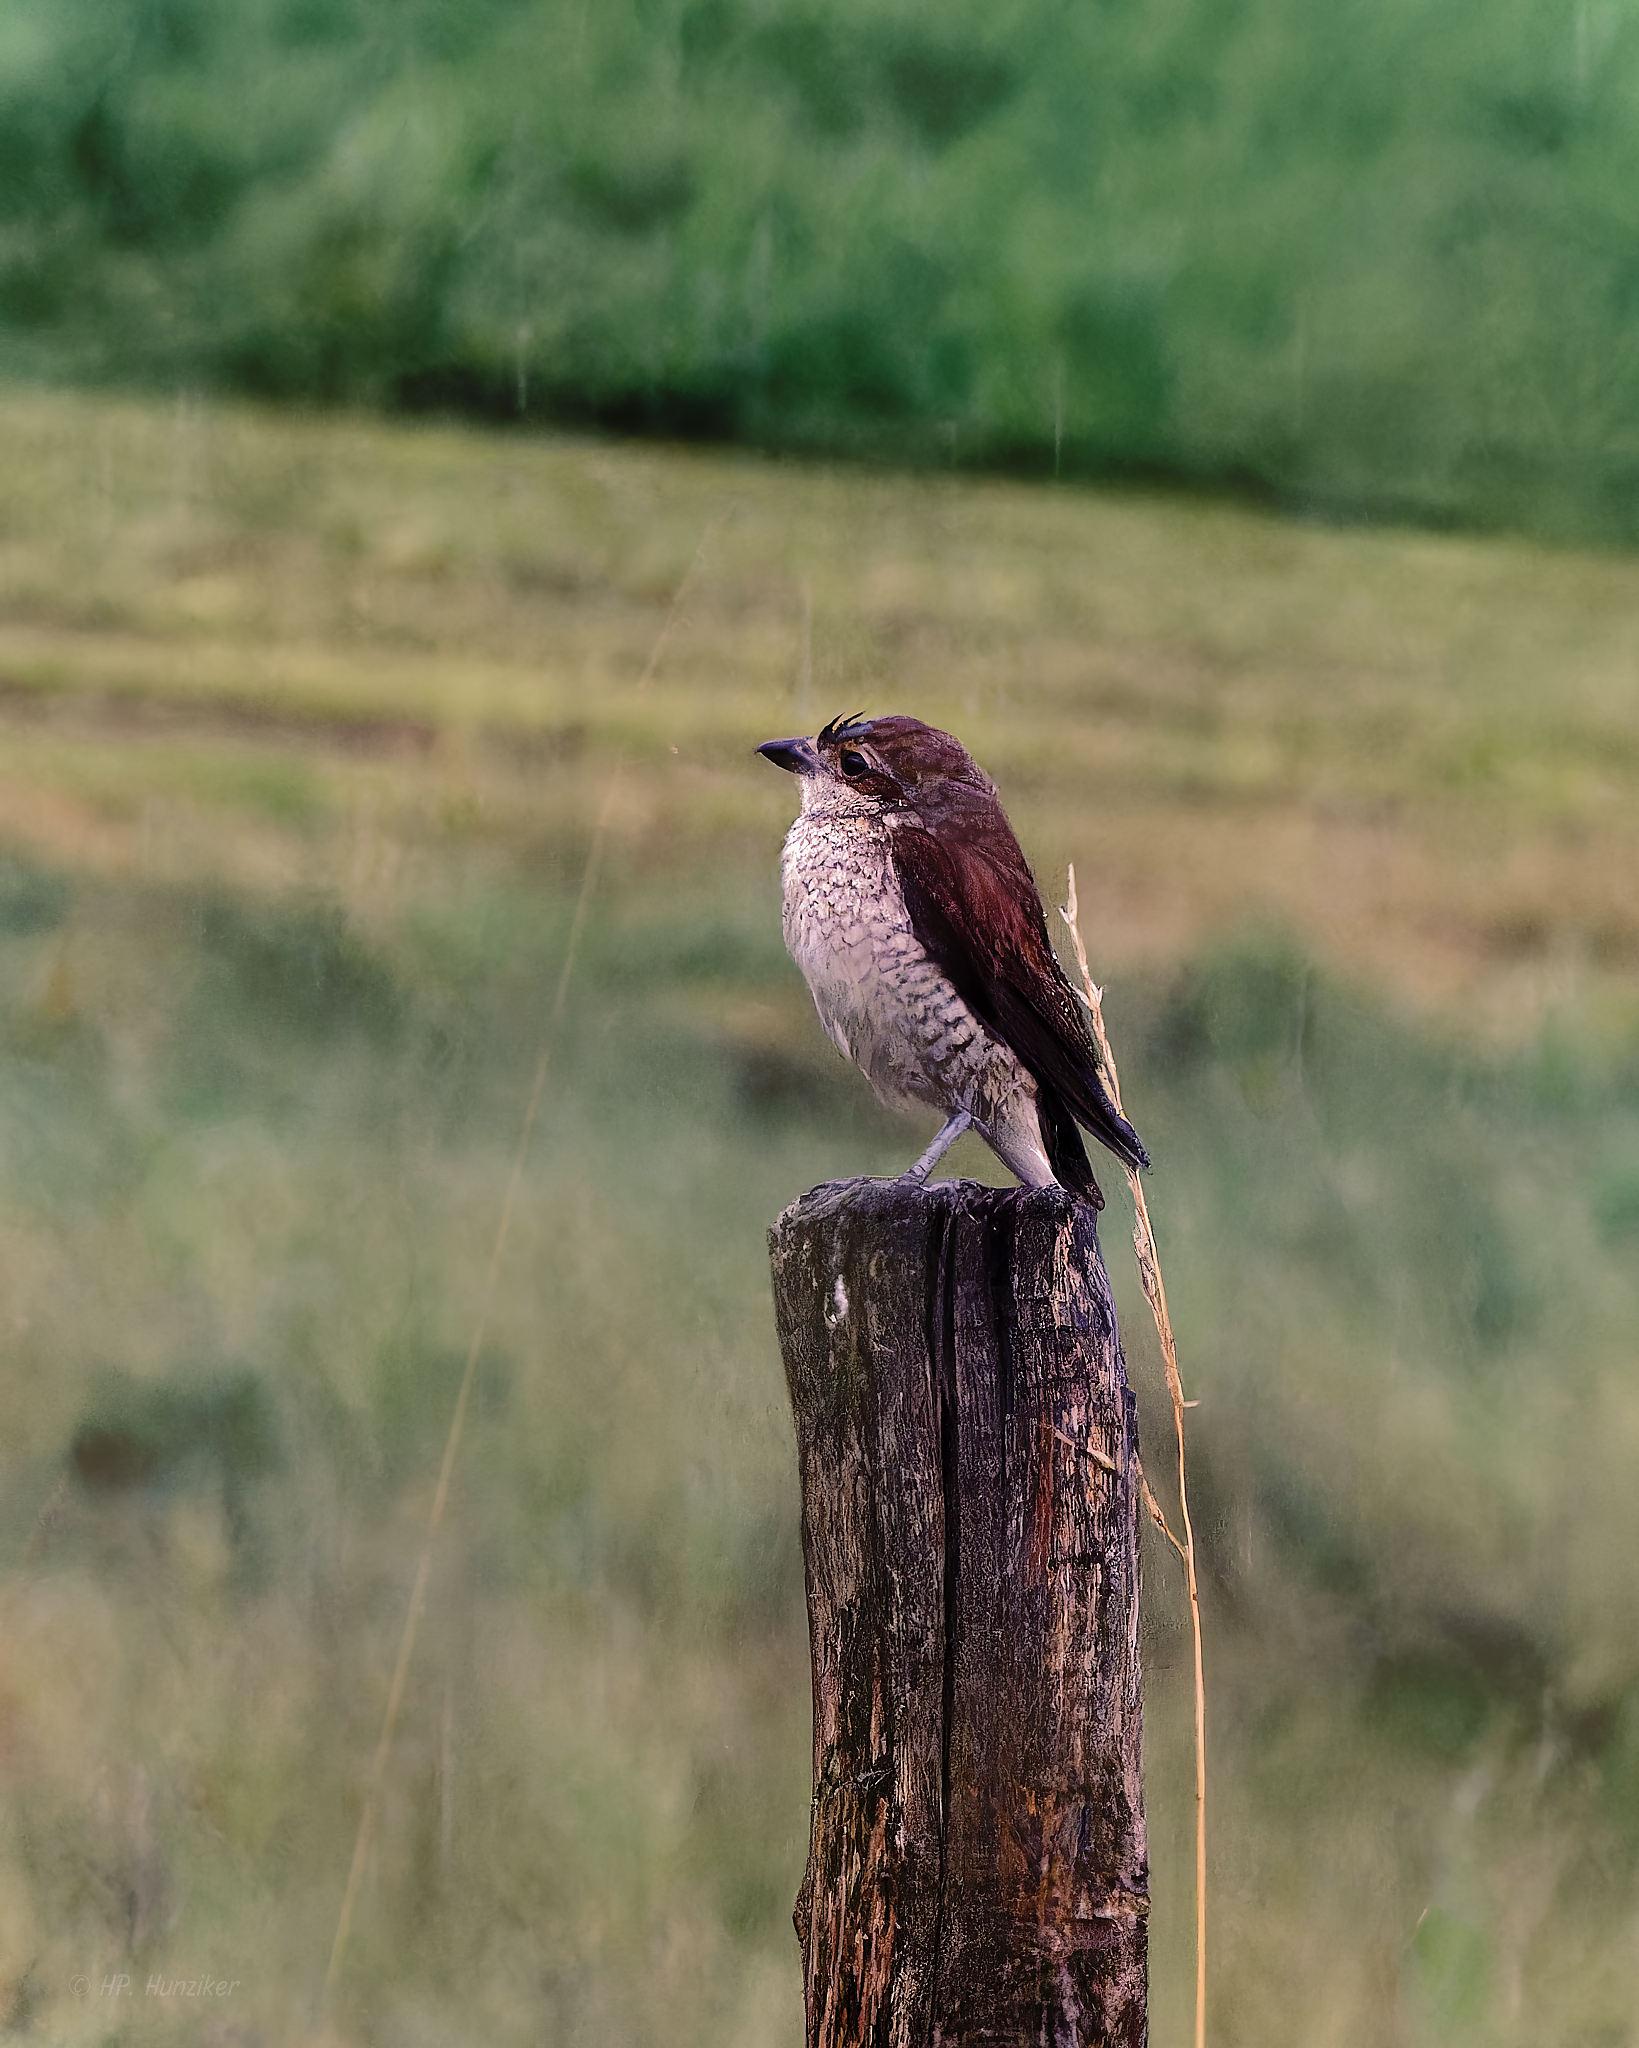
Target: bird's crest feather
852,725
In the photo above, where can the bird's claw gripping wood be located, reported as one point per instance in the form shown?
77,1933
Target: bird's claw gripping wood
937,1150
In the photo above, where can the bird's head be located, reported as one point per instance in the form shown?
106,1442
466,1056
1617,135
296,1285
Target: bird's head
867,767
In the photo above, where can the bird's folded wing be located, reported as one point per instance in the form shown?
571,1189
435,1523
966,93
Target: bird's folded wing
973,904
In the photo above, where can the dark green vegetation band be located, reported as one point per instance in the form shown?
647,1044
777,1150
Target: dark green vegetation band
1374,259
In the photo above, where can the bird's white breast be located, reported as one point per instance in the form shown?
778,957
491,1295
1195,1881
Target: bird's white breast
885,1003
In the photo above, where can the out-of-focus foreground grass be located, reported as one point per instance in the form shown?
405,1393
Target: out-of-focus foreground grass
303,728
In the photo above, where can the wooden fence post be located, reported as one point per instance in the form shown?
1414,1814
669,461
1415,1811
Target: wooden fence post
967,1447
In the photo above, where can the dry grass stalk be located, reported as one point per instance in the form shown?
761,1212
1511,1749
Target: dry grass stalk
1149,1269
435,1519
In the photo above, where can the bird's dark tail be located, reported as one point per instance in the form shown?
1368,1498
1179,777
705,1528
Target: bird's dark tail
1113,1129
1066,1152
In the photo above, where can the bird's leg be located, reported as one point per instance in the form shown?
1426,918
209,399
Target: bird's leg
940,1146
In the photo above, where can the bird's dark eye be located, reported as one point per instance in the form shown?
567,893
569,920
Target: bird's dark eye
853,762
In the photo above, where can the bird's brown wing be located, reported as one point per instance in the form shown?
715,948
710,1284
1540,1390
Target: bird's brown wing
973,904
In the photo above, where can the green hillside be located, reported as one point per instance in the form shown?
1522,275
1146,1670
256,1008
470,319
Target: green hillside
1366,258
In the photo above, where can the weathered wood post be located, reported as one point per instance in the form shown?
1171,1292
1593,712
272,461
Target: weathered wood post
967,1447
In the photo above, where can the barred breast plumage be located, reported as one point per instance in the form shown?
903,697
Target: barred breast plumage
885,1003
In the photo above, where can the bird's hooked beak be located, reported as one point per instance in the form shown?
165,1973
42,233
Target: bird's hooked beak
797,756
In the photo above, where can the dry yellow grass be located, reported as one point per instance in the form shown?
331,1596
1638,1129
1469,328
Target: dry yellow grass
1421,753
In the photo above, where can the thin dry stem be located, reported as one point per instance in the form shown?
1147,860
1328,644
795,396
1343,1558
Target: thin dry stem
1149,1270
452,1442
1156,1516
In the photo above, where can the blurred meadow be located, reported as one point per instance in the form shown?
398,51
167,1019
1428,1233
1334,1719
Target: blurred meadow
305,722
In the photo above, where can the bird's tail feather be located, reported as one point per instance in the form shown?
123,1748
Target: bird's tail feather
1066,1151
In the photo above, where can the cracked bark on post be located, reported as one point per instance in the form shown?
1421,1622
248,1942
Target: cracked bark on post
967,1448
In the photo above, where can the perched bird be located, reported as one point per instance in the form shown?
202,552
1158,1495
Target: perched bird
915,920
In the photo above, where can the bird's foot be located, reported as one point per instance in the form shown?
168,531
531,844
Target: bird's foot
937,1150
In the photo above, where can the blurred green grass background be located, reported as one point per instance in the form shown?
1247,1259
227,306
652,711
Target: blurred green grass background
1373,258
305,724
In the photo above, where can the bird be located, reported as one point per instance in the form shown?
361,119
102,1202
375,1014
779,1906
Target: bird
914,917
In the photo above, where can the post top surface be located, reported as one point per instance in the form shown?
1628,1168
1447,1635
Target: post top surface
908,1198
